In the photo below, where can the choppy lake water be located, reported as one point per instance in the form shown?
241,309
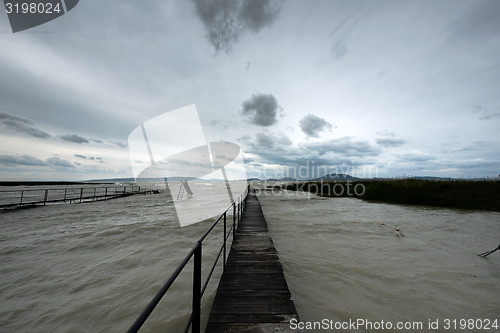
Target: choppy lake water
93,267
342,265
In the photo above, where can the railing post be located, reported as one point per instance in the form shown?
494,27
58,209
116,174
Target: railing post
234,219
45,197
195,325
65,192
224,257
239,212
105,193
22,195
81,194
95,189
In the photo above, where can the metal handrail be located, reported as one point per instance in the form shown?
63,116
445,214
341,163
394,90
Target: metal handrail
195,319
42,196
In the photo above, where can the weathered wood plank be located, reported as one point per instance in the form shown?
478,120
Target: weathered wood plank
251,328
253,295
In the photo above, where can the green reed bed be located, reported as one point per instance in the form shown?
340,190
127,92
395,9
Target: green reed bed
465,194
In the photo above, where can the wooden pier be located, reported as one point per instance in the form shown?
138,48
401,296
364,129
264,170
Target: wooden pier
253,295
13,199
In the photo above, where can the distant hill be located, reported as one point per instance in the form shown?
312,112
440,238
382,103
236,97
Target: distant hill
286,179
336,177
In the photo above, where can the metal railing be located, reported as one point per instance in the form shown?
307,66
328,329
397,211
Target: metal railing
195,319
27,197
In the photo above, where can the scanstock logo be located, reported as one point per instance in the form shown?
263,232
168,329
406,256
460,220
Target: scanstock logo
202,177
26,14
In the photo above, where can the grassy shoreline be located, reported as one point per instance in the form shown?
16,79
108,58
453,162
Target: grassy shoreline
464,194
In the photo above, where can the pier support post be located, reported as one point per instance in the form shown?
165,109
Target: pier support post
195,325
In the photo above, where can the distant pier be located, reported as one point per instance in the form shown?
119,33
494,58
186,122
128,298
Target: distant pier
253,295
12,199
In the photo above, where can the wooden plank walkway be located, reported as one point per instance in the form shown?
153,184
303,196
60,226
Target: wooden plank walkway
253,295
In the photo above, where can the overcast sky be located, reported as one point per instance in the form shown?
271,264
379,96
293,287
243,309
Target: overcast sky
369,88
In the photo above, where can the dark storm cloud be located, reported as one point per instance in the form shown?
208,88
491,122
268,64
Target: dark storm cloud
73,138
21,160
33,161
346,146
312,125
4,116
272,147
341,34
270,140
340,39
261,109
390,142
21,125
277,149
88,157
57,162
119,144
226,21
